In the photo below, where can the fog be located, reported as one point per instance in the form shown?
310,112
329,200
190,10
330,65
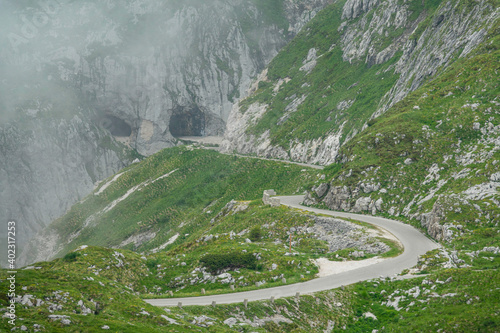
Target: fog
110,61
51,55
45,42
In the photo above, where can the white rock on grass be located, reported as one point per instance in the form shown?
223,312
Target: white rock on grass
230,321
495,177
26,300
370,315
260,283
415,292
225,278
170,320
203,321
82,247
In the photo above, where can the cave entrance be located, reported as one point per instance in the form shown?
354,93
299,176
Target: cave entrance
187,121
116,126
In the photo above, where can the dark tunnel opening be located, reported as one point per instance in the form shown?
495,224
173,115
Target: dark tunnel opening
116,126
187,122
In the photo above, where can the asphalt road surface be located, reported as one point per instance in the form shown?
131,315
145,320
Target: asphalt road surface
206,141
414,242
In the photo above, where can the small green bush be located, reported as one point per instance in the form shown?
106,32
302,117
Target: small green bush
264,84
151,263
216,262
71,256
255,234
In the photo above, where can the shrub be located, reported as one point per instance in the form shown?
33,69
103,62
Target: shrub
71,256
216,262
264,84
255,234
151,263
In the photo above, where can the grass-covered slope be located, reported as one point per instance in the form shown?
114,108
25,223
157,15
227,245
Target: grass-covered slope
351,62
464,300
250,228
433,158
245,246
330,82
67,295
95,288
451,301
177,191
430,160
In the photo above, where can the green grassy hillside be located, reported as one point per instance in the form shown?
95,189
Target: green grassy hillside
452,301
330,82
434,156
352,62
464,300
188,219
94,287
82,302
178,190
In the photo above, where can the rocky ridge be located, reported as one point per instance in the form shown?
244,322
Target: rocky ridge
441,168
418,44
138,74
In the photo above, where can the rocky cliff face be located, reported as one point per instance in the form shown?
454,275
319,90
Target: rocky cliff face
161,68
144,73
47,166
407,44
433,157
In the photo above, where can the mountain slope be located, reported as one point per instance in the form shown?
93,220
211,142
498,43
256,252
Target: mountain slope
349,65
429,157
61,297
81,77
178,190
66,295
433,157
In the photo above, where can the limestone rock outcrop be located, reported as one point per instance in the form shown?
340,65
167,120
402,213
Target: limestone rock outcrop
79,76
420,50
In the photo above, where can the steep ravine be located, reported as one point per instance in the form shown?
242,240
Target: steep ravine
143,73
43,173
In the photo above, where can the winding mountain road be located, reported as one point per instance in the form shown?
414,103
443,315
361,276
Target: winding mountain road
216,140
414,242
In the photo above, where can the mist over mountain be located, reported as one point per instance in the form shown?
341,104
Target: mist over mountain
89,86
283,166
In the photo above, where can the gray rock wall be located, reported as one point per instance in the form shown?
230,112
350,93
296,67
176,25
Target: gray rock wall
45,167
363,22
74,72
